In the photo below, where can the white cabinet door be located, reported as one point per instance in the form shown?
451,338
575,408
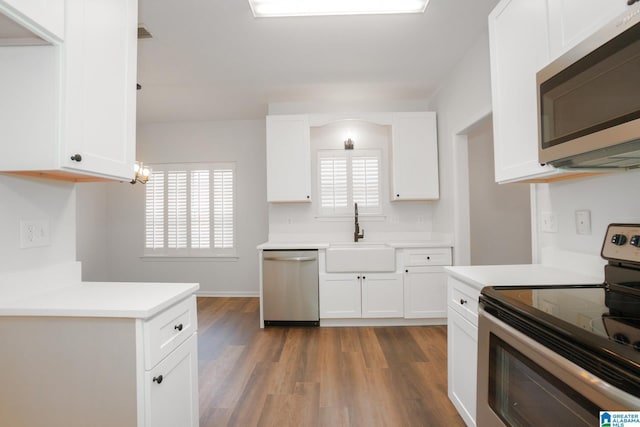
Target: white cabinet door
425,292
518,49
462,353
171,388
414,157
81,97
42,17
340,296
288,159
382,295
571,21
100,87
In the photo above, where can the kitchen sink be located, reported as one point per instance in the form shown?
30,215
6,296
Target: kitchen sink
360,257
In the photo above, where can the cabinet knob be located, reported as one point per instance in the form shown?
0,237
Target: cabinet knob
158,379
397,195
428,258
363,277
407,270
308,197
178,327
463,301
358,277
76,158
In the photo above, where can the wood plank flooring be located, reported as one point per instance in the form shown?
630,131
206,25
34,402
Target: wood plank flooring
281,376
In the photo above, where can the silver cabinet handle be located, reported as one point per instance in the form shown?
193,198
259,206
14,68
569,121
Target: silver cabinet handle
297,258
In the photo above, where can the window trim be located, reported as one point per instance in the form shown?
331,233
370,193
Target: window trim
169,254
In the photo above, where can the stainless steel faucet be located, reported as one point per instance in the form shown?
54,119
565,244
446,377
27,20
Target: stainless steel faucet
357,234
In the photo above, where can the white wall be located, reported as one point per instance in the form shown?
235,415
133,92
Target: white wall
32,198
500,214
242,142
611,198
461,101
92,226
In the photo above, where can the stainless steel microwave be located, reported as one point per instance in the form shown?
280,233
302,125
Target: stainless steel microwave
589,100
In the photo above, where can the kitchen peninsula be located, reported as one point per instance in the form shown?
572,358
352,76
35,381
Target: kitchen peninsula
97,353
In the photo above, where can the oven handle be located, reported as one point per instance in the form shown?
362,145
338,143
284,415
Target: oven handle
592,387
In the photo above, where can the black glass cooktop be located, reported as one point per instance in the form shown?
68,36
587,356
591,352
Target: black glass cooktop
595,326
606,311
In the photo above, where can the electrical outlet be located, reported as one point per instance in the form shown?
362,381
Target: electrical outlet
548,222
34,233
583,222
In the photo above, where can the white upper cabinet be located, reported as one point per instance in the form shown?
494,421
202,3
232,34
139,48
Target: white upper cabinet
519,48
571,21
524,37
288,158
100,54
414,157
45,18
71,109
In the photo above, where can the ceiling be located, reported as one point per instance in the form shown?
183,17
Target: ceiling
212,60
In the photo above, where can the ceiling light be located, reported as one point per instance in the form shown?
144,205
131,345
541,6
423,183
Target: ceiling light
268,8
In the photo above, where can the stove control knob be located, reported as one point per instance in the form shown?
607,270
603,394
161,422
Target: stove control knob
635,241
619,239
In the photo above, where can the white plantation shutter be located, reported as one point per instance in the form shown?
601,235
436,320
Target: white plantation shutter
190,210
200,212
365,177
348,177
223,207
333,184
177,209
154,212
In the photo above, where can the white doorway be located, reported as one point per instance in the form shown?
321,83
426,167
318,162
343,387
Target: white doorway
499,214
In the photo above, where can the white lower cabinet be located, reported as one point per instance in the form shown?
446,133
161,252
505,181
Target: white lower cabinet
171,388
94,371
382,295
361,295
462,342
462,352
340,296
416,290
425,292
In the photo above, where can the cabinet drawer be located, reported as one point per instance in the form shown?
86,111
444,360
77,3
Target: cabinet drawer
427,257
167,330
464,299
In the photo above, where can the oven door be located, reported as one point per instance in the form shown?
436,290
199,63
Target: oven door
523,383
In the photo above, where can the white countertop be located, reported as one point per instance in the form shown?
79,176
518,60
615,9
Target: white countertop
325,245
293,245
93,299
520,274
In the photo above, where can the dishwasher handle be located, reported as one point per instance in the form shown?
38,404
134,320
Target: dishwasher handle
288,258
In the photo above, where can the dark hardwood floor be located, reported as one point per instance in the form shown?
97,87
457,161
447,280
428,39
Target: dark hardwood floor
368,376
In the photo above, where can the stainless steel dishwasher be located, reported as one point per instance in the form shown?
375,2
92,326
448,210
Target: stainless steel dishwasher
290,287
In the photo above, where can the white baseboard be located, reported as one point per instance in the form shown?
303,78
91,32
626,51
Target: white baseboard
382,322
228,294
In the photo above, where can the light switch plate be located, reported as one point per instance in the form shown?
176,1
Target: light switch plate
34,233
583,222
548,222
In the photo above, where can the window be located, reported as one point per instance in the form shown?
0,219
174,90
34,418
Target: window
190,210
348,177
